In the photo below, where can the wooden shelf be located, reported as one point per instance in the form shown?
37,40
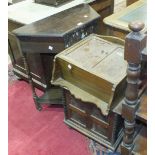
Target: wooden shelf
51,96
141,113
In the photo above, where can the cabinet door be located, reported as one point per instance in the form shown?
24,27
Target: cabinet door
15,55
34,60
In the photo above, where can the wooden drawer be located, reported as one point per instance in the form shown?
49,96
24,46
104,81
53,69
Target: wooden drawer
42,47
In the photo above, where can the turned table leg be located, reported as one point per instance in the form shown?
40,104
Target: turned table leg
38,106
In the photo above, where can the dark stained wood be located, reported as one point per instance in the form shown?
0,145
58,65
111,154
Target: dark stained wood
58,25
14,53
87,119
129,2
40,45
51,2
103,7
18,63
141,113
49,36
134,44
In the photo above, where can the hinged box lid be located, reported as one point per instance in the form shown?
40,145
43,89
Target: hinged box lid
93,70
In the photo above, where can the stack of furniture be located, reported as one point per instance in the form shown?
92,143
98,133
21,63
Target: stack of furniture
89,72
51,36
101,81
91,105
39,58
20,14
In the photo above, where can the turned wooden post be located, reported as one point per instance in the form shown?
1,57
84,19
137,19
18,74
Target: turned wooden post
135,42
38,106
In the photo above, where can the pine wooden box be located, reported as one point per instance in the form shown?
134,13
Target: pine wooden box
96,67
92,73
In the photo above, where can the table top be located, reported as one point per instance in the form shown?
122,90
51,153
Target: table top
28,11
59,24
136,11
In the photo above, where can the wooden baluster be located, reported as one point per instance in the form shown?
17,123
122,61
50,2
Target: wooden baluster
135,42
38,106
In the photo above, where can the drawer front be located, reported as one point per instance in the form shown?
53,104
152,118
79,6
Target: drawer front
42,47
79,34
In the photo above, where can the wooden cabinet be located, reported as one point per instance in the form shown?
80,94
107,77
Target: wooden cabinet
15,55
92,73
17,60
88,119
41,40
